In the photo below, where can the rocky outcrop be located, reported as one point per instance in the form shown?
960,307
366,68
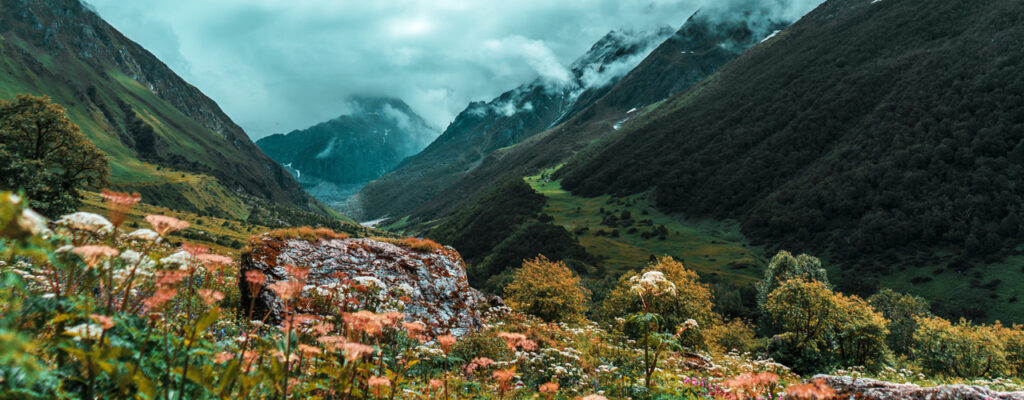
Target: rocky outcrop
868,389
429,281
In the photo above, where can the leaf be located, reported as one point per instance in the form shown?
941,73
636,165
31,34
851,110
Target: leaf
146,386
229,376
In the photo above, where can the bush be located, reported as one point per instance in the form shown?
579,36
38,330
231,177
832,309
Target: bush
737,334
818,328
962,349
548,290
694,300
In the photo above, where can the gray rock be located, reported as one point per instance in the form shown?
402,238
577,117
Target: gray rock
869,389
436,291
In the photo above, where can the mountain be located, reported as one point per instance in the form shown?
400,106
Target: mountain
886,137
165,138
336,158
504,121
706,41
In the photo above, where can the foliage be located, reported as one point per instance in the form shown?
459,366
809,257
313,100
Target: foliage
533,238
965,349
874,165
734,335
902,311
549,290
785,266
693,299
45,154
306,233
818,328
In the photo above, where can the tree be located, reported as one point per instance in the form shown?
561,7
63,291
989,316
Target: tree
901,310
45,154
785,266
548,290
963,349
818,328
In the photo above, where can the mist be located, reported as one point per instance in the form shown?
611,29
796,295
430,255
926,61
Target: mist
276,65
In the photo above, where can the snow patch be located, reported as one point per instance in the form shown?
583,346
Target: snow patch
775,33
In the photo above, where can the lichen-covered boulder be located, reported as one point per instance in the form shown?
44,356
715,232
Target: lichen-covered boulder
869,389
428,281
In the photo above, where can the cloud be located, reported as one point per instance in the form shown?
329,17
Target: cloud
279,65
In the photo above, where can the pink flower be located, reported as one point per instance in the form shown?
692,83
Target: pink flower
163,224
94,254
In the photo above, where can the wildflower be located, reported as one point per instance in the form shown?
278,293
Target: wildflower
182,259
118,205
255,278
309,351
446,342
87,331
215,261
163,224
33,223
161,296
194,250
377,384
210,296
104,321
593,397
94,254
354,351
514,340
416,330
503,376
364,321
221,358
548,389
479,362
286,290
323,328
436,383
85,221
652,283
143,235
753,385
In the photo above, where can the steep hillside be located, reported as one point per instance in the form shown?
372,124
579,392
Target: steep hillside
707,40
162,134
886,136
509,119
334,159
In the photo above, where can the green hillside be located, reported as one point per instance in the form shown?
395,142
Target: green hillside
165,139
886,137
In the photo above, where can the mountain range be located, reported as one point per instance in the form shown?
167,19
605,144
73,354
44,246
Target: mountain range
336,158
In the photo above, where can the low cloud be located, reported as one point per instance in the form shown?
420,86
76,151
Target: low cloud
279,65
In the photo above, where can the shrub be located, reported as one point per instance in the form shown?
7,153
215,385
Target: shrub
818,328
962,349
306,233
901,310
548,290
737,334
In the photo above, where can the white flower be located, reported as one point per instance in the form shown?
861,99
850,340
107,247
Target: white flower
182,259
85,221
87,331
653,283
145,235
34,223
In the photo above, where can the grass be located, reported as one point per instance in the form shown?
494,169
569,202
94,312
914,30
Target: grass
715,249
994,288
223,236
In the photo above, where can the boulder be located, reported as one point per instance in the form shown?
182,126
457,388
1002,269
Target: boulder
869,389
430,280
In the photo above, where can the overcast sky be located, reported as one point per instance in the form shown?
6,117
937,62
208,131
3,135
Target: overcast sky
278,65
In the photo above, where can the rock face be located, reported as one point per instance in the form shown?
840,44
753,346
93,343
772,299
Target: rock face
430,283
869,389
